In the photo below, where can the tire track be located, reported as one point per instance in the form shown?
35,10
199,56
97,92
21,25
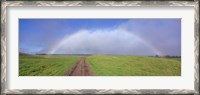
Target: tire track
81,68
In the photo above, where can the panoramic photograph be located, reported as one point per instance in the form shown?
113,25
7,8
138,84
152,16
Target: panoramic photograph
100,47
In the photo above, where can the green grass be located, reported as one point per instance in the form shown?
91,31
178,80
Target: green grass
101,65
45,66
107,65
178,59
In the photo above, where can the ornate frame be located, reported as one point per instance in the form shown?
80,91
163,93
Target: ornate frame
97,3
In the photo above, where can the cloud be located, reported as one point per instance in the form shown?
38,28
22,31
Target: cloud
163,34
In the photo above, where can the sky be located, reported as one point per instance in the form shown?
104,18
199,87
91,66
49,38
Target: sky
139,37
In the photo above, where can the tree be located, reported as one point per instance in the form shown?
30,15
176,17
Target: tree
156,55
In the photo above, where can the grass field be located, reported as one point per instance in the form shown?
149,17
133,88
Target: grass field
101,65
45,66
107,65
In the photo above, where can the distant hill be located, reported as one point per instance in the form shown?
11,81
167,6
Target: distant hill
72,54
22,53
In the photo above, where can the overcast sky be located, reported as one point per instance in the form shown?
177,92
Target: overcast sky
143,37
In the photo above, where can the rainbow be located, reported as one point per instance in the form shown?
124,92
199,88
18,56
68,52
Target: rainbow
59,44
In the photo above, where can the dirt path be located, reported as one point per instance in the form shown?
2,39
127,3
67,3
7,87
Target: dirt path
81,68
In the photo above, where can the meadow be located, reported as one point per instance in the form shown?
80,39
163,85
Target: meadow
108,65
101,65
43,65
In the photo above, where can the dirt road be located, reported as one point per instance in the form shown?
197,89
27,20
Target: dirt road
81,68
